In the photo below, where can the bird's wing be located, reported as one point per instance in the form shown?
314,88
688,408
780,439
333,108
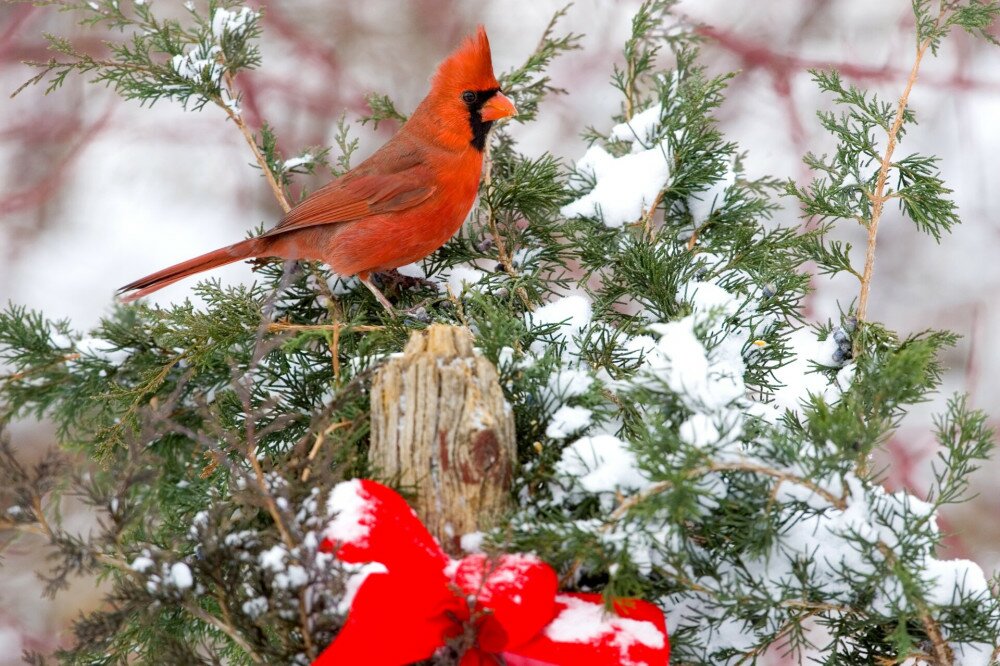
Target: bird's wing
360,194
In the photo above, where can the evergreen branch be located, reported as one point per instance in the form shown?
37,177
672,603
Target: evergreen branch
745,466
942,652
277,326
965,437
381,109
647,218
43,527
640,50
491,221
263,491
628,503
346,144
236,117
878,197
225,628
22,374
528,84
787,628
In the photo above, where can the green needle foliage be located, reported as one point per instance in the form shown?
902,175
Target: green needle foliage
681,436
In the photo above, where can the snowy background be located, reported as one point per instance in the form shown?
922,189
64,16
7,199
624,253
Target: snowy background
95,192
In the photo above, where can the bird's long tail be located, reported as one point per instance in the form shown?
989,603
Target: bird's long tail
252,247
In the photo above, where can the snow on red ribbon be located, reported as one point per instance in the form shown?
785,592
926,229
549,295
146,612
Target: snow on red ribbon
582,632
416,599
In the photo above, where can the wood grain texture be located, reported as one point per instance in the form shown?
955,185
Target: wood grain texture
442,430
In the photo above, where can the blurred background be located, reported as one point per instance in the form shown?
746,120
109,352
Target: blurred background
95,191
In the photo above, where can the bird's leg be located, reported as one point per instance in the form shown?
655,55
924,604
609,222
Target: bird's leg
379,296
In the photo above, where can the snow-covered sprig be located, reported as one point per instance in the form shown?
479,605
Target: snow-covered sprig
162,58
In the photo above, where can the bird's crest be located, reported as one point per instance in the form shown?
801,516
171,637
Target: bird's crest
469,67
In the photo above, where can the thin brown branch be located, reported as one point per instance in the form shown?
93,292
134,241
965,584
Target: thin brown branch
320,438
629,90
879,197
279,192
335,328
306,626
229,631
13,377
272,506
812,608
505,260
743,466
277,326
752,655
279,522
44,529
335,353
941,652
647,218
36,504
694,239
503,256
627,504
227,616
252,436
26,528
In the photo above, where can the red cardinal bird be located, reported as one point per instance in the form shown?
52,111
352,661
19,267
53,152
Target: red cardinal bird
399,205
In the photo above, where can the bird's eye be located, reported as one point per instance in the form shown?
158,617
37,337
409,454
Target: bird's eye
468,97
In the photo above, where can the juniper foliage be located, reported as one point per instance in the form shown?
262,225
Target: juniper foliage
690,473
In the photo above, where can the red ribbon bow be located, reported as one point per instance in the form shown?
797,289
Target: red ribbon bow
412,599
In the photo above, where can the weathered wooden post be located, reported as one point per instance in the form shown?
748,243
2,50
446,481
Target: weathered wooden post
441,428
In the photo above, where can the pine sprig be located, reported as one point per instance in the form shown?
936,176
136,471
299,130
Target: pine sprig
159,59
857,182
381,108
528,84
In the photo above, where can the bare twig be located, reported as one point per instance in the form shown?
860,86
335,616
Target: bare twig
320,438
335,353
261,349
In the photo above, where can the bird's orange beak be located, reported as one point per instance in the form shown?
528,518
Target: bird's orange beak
497,107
